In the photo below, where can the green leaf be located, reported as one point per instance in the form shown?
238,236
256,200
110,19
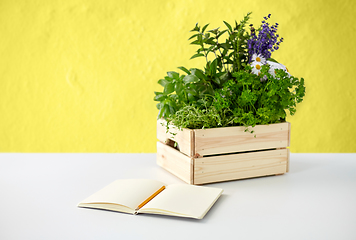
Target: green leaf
164,111
200,38
184,70
201,89
193,92
221,33
236,25
226,46
160,97
216,80
196,42
203,29
228,26
163,82
197,55
171,110
169,88
159,105
191,98
168,79
213,67
210,90
215,30
174,97
178,87
228,60
173,75
160,113
192,86
196,28
190,79
223,76
209,49
210,41
224,52
194,36
199,73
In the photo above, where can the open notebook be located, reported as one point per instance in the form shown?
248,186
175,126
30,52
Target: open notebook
150,196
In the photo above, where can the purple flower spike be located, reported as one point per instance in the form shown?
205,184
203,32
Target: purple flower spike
266,41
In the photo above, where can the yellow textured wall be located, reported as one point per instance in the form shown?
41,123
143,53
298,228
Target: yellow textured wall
79,75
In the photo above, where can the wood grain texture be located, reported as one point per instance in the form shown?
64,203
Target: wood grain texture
175,162
288,161
184,138
235,139
194,163
239,166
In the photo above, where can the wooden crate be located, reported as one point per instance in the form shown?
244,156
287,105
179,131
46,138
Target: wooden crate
223,154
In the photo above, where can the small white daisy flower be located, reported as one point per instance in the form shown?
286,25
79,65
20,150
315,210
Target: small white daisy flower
258,58
256,67
274,66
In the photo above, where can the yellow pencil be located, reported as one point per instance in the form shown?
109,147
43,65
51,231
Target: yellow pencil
150,198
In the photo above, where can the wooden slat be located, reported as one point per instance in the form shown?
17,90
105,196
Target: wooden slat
175,162
288,161
239,166
184,137
235,139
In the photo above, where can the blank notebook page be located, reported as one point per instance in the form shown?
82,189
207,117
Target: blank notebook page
185,199
128,192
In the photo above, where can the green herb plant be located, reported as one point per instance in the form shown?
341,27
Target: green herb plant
228,92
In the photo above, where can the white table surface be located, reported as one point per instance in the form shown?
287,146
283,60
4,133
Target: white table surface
40,192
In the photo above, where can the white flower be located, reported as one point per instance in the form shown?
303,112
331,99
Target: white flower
274,66
256,67
258,58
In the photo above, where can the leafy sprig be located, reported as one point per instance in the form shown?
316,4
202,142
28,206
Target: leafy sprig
180,90
230,55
